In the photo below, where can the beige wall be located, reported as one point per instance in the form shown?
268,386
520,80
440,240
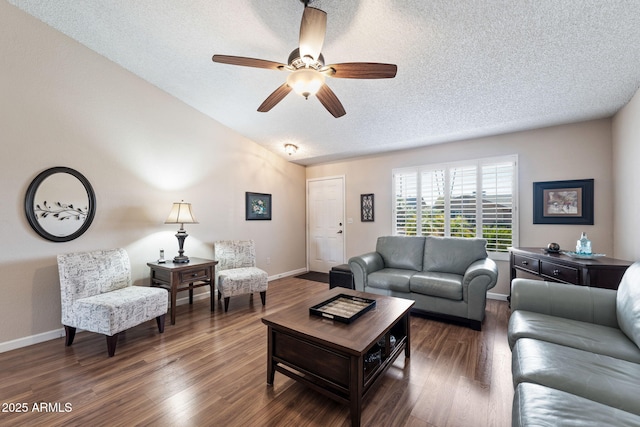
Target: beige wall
575,151
64,105
626,174
141,149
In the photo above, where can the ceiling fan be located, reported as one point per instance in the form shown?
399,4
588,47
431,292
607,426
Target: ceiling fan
307,68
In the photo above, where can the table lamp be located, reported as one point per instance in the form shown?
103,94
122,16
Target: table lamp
181,214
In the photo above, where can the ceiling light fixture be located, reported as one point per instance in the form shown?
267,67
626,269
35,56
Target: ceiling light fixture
307,67
305,81
290,149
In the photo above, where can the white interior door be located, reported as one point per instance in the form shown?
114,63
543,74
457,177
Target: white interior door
325,223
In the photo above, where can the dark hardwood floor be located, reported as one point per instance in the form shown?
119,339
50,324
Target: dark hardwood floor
209,369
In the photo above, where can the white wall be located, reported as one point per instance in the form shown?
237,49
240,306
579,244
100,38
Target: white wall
576,151
142,150
626,174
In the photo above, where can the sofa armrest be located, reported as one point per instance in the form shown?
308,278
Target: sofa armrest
483,267
583,303
363,265
479,277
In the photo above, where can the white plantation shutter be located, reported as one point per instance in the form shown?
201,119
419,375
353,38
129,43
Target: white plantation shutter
405,210
463,185
432,185
469,199
498,204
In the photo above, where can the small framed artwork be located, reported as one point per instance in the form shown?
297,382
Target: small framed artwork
366,207
563,202
258,206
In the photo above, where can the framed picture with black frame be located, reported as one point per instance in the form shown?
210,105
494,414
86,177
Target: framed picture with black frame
563,202
366,208
258,206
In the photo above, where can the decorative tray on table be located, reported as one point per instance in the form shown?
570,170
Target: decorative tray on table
582,256
343,308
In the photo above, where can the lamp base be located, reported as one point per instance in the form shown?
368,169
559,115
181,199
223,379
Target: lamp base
180,259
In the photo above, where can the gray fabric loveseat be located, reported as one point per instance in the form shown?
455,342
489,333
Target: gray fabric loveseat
575,353
445,276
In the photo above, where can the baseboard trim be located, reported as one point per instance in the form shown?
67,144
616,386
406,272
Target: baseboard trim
31,340
499,297
288,274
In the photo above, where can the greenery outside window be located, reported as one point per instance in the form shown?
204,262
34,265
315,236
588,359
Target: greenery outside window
476,198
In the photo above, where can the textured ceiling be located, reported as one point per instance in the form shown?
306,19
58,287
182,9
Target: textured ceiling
465,69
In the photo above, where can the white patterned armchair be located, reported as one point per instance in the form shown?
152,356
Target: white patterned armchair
98,296
237,273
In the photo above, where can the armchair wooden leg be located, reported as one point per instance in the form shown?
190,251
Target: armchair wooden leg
111,344
226,304
70,333
160,322
263,297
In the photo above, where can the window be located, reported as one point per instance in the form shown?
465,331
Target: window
470,199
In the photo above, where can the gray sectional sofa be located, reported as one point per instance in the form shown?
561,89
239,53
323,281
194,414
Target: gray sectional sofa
445,276
576,355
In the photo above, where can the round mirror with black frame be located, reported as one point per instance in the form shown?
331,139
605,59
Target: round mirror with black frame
60,204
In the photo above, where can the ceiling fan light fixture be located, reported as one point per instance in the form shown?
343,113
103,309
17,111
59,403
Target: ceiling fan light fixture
305,81
290,149
307,67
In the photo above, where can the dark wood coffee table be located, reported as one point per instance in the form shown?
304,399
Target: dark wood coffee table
329,356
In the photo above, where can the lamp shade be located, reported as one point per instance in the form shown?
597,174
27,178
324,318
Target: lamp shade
305,81
181,214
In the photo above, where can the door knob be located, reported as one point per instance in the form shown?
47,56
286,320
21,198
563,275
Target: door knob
340,232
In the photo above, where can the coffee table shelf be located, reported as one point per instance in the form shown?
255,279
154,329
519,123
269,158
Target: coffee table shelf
388,354
329,356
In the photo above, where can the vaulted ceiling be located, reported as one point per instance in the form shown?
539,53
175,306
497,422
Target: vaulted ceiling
465,69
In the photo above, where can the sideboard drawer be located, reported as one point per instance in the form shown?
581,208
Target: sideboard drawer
562,273
526,263
195,275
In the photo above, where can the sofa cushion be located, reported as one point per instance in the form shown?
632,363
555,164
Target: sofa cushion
393,279
628,303
452,254
572,333
443,285
536,405
115,311
242,281
401,251
610,381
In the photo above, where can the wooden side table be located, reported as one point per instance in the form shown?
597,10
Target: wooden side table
602,272
182,277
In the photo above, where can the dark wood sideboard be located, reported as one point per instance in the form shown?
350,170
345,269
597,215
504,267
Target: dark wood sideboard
600,272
